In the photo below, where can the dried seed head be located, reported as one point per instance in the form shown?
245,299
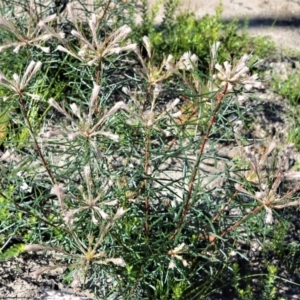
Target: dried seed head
120,213
147,45
175,254
187,61
169,63
18,84
237,75
117,261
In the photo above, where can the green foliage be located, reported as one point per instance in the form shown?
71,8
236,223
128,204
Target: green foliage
243,294
5,204
262,46
267,285
13,222
182,32
12,252
4,122
270,289
294,136
178,290
288,88
277,244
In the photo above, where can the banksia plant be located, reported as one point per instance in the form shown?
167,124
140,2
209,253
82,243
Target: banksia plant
120,179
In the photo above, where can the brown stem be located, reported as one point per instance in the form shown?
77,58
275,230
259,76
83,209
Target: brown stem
235,225
216,217
35,141
238,223
98,73
104,11
147,97
187,204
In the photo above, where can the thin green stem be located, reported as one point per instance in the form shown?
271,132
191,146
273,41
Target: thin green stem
146,169
29,212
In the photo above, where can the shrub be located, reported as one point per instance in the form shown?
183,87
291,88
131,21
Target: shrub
111,157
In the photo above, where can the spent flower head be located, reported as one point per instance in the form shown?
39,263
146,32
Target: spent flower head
149,118
33,37
237,75
187,61
150,71
268,195
93,204
87,201
80,262
92,51
85,126
176,253
44,25
156,75
18,84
